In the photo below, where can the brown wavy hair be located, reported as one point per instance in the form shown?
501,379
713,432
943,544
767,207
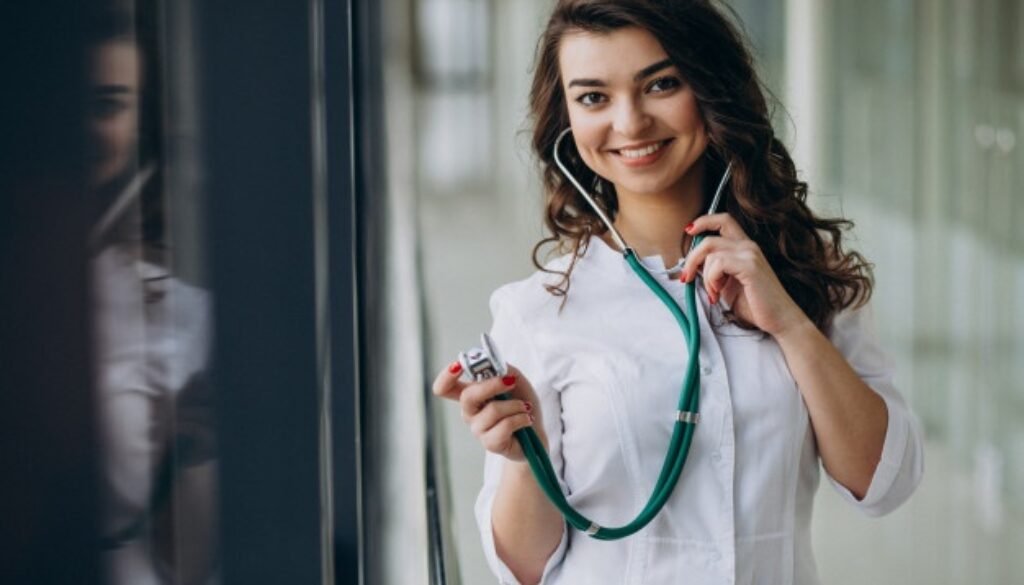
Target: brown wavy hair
764,195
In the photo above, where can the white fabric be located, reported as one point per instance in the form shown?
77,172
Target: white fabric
152,335
608,369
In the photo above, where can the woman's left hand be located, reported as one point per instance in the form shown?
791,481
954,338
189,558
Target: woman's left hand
735,269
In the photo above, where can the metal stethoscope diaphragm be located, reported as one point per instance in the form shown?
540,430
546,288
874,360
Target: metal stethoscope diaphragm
481,363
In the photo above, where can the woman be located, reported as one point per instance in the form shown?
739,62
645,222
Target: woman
660,97
151,328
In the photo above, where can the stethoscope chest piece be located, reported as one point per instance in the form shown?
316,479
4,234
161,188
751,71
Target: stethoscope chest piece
483,362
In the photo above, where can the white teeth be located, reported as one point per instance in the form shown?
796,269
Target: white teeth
641,152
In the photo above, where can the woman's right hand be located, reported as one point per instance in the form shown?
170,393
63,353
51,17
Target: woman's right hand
491,420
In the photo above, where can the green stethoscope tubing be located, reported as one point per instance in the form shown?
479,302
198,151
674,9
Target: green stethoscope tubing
682,432
689,396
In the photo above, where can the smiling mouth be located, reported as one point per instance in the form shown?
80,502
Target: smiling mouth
643,151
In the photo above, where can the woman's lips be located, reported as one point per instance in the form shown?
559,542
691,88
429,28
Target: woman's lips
642,156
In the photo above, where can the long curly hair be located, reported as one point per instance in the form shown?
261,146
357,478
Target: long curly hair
764,195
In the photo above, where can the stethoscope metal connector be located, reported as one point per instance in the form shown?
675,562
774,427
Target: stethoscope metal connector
481,363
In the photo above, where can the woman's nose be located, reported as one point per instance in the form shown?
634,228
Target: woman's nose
631,119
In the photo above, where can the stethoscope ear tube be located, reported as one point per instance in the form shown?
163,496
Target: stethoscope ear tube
586,194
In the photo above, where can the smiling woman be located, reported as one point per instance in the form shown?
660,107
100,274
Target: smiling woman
661,98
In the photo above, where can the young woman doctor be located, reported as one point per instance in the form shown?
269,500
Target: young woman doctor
660,97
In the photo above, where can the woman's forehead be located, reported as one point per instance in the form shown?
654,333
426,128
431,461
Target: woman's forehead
609,56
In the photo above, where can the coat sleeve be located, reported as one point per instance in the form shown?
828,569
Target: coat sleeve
514,343
901,465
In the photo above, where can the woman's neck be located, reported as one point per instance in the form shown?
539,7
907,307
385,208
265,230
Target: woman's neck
652,223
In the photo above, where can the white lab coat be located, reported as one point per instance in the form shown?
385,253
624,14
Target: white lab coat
152,337
608,370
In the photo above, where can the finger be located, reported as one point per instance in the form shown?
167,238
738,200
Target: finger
699,255
723,223
494,412
499,439
727,269
716,275
448,384
475,396
712,273
730,291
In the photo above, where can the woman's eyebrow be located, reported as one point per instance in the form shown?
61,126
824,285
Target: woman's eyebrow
652,69
111,89
645,72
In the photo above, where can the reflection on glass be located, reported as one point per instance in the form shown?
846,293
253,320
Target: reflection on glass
151,328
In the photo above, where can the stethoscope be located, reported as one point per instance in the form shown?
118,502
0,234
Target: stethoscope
485,362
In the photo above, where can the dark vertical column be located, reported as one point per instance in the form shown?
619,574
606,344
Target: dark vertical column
48,447
342,127
255,58
371,213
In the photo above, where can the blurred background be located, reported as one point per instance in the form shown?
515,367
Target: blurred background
238,239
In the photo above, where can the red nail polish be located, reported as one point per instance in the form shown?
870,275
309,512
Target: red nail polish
688,227
455,368
528,407
508,380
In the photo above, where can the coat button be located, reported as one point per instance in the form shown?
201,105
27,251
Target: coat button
706,370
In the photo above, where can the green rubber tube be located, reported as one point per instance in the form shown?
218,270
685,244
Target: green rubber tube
682,432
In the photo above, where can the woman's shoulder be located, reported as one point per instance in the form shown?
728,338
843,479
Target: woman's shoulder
532,296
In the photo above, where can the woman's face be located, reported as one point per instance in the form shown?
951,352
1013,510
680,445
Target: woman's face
115,75
635,120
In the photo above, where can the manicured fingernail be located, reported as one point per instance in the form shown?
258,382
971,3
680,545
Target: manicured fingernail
688,227
508,380
532,420
455,368
682,276
527,406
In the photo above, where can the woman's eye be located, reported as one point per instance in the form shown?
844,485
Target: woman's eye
590,98
106,107
664,84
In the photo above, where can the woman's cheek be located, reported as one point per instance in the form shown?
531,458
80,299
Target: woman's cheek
592,158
